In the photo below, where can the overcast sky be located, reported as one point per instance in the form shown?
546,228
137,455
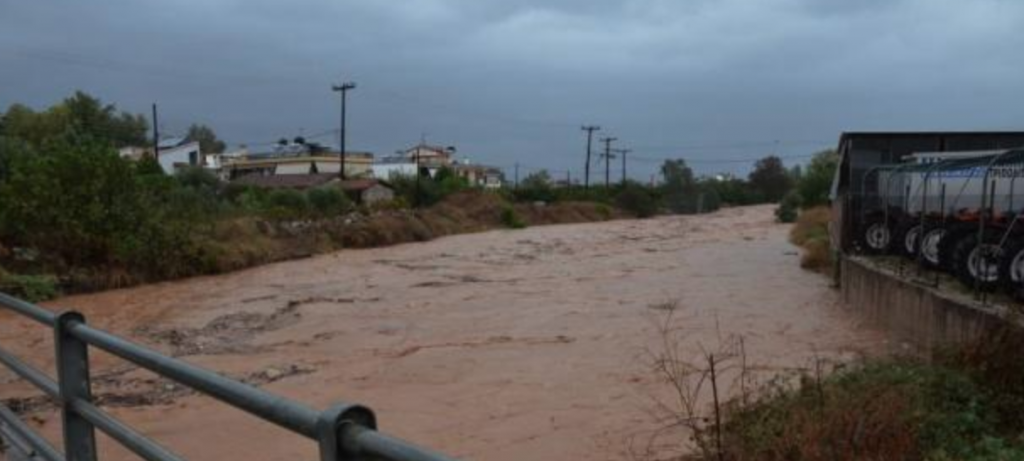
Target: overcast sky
714,81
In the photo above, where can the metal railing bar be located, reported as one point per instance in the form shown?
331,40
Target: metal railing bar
30,437
30,374
27,309
128,437
14,445
381,446
286,413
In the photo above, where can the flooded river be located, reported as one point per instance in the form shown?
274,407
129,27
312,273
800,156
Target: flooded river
503,345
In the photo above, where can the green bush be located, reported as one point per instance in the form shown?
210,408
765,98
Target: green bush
637,200
287,203
815,184
788,208
511,219
328,201
33,288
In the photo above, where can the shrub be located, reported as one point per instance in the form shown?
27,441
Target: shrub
788,208
888,409
637,200
511,219
328,201
287,203
815,184
34,288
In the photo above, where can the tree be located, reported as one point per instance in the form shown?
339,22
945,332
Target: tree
681,193
77,117
536,187
539,179
816,183
770,178
207,139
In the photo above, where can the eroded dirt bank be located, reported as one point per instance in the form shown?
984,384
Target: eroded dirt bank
502,345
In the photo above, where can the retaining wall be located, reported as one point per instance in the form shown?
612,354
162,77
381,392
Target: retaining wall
912,311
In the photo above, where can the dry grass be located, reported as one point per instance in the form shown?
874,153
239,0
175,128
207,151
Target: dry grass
810,233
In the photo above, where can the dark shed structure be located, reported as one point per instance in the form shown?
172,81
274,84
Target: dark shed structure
861,151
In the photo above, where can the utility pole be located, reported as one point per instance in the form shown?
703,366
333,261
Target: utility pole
590,129
156,136
623,153
568,179
517,175
343,89
608,160
419,173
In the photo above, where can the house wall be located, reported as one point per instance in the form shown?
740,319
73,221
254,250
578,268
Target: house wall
297,168
389,170
187,154
377,194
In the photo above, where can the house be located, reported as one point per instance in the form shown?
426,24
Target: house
483,176
861,152
368,191
175,153
428,156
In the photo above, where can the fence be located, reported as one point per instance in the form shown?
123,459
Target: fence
344,432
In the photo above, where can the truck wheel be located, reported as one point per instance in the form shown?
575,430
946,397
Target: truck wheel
977,263
905,239
876,237
948,244
932,238
1011,267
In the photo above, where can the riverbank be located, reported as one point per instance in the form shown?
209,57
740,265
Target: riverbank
235,243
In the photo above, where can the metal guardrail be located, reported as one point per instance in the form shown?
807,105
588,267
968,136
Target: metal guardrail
343,432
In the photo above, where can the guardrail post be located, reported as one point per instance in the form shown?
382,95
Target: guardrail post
73,381
334,423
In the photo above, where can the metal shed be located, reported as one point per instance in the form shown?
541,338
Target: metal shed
860,152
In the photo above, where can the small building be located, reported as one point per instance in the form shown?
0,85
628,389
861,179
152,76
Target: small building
368,191
430,156
483,176
175,153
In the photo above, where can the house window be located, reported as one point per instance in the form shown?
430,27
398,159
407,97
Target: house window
193,158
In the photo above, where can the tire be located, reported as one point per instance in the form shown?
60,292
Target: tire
875,237
1011,266
973,267
931,239
948,244
904,240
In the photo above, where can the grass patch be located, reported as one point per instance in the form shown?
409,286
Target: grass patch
810,233
34,288
965,405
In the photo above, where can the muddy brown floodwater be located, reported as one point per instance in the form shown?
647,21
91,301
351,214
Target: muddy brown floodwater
503,345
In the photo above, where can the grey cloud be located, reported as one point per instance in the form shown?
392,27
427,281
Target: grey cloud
510,81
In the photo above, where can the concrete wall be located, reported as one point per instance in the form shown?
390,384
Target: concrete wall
921,315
